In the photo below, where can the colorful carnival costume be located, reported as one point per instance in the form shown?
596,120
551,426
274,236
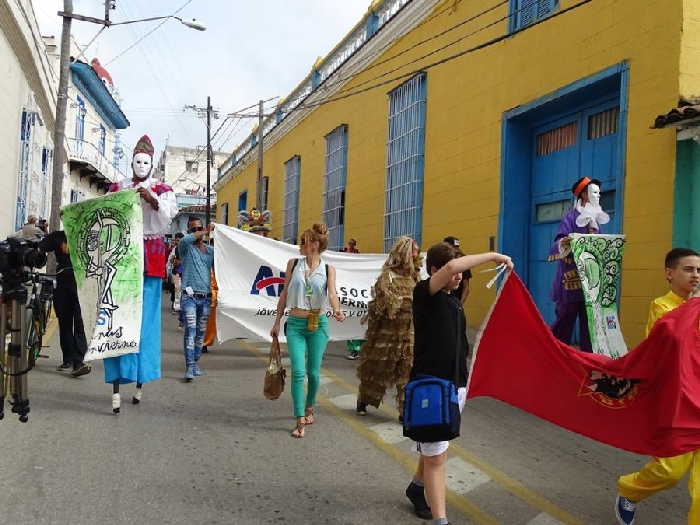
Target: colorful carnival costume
586,217
144,366
386,356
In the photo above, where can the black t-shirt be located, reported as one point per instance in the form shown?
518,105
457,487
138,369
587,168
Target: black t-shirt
64,268
440,331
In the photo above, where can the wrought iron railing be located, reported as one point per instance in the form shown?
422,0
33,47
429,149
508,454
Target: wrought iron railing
82,150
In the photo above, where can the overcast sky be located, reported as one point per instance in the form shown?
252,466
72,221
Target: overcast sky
251,50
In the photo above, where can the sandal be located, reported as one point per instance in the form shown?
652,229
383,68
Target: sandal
298,432
309,417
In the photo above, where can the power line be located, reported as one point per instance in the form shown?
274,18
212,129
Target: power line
442,33
439,62
155,73
436,63
419,43
188,2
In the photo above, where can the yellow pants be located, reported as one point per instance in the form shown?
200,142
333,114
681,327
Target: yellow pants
664,473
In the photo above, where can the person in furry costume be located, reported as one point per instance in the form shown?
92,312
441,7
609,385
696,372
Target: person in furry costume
386,356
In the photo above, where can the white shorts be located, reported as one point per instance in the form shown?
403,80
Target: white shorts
436,448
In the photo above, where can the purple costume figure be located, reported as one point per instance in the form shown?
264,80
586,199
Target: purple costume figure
567,292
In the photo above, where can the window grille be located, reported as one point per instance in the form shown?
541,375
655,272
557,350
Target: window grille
224,213
527,12
265,187
334,196
80,120
557,139
102,145
292,176
405,163
603,124
25,162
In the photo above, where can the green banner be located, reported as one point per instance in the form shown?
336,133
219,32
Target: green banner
105,238
598,259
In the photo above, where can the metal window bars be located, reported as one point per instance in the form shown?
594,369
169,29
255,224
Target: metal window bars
405,161
292,175
335,181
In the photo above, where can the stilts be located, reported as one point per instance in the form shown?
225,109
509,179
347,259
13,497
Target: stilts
137,396
116,398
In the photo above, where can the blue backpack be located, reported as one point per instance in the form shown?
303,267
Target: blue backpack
431,410
431,407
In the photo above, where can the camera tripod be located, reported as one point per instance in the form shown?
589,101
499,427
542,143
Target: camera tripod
14,359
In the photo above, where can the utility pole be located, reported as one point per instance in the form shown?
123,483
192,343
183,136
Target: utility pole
259,186
59,132
209,160
208,113
59,135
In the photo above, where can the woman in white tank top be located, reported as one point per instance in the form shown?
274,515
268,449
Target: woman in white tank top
309,286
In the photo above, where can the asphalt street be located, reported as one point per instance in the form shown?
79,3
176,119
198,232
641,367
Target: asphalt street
216,451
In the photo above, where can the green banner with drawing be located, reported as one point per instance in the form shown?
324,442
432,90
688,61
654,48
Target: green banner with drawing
598,259
105,238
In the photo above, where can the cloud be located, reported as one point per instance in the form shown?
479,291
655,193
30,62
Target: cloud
250,51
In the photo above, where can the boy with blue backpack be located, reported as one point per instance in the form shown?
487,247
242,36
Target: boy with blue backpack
440,356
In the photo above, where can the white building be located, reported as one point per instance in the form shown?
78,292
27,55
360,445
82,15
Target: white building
185,169
27,117
94,119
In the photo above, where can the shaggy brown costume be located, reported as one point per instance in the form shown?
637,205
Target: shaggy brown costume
386,356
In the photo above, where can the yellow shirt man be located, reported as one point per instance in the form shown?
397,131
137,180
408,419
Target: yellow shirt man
683,275
661,306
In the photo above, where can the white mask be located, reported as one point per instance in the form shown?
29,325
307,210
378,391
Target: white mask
594,194
142,165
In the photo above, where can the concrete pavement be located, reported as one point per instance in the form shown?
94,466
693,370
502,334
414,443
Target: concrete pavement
216,451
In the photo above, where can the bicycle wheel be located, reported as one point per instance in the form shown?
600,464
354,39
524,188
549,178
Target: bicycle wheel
33,340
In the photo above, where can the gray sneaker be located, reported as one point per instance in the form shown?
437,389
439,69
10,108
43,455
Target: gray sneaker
197,371
189,374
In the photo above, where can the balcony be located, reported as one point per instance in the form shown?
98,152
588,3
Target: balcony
86,157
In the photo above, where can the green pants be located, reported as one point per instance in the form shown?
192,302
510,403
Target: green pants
306,351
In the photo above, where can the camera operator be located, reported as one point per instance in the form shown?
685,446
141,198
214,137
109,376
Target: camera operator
67,306
31,231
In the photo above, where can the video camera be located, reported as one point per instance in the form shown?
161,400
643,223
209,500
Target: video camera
18,312
17,258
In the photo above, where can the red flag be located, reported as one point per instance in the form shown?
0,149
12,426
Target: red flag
646,402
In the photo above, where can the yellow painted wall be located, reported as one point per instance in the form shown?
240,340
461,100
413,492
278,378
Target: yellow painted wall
466,100
690,50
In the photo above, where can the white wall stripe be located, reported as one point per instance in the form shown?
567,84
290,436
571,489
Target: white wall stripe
391,432
544,519
463,477
346,401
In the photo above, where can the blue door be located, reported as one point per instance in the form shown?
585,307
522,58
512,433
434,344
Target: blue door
582,143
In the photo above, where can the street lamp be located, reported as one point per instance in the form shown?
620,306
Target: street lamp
62,97
192,24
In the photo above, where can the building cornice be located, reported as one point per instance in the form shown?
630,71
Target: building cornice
404,21
90,85
31,56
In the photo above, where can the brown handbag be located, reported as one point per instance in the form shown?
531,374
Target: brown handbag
275,374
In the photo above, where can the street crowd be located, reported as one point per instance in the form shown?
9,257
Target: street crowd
416,328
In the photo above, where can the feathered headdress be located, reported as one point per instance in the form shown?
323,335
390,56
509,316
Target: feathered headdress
254,221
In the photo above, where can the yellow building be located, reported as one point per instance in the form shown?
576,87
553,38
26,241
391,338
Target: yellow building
473,119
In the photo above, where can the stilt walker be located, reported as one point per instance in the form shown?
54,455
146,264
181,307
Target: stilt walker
586,217
159,207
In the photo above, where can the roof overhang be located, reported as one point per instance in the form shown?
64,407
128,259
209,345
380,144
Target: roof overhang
90,85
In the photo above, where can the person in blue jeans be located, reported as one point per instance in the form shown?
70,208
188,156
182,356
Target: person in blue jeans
309,285
197,262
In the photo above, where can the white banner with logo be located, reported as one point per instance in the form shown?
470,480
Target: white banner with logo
250,275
